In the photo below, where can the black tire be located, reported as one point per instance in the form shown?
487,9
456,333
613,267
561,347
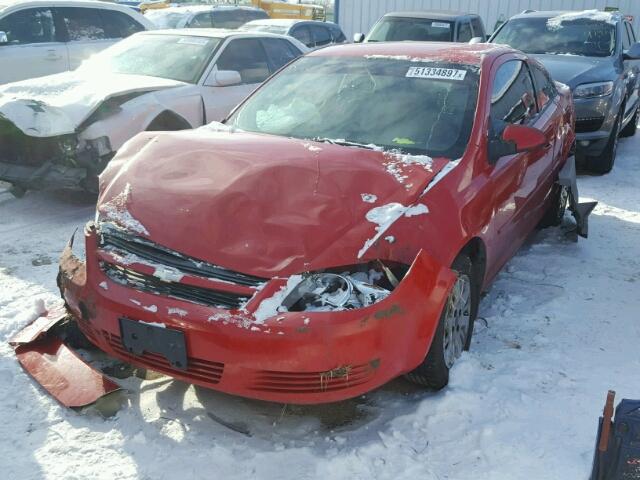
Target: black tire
604,162
433,372
555,213
630,129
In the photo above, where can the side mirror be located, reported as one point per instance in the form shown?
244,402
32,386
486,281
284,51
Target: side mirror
3,38
515,139
223,78
358,37
476,40
632,54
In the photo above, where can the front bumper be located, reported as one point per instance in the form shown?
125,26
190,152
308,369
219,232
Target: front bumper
294,357
595,119
46,175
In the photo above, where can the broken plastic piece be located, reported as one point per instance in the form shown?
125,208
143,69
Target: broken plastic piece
580,211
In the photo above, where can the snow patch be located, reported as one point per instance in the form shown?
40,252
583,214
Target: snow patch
312,148
104,285
168,274
555,23
269,306
135,302
369,197
177,311
154,324
385,216
406,58
151,308
116,210
397,161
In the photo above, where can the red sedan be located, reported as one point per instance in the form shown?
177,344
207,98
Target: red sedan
336,232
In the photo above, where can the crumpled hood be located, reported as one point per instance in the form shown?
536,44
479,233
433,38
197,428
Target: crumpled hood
572,70
57,104
258,204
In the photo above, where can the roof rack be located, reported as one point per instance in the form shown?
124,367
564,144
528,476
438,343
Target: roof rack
528,11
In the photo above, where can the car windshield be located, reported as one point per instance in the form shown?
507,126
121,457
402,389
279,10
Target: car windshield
391,29
581,36
280,29
393,103
176,57
167,19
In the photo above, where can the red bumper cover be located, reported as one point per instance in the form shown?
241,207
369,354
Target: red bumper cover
293,357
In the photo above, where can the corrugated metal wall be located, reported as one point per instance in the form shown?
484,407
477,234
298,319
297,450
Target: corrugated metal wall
360,15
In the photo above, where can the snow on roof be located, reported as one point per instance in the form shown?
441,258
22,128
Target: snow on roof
277,22
204,8
596,15
429,14
4,4
210,32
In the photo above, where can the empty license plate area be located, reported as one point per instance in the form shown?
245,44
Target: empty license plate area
139,337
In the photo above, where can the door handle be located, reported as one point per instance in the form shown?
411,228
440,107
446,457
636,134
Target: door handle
52,55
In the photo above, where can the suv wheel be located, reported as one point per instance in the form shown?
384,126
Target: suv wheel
630,129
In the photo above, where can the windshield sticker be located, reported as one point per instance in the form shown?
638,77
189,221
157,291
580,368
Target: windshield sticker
193,41
441,25
436,73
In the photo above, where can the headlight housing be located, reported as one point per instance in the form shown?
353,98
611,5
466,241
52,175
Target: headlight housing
330,291
593,90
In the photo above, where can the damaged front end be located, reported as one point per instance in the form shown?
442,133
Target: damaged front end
64,161
315,337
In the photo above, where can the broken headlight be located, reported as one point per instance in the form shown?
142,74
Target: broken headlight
331,291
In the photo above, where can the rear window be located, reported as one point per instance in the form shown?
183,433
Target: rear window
393,29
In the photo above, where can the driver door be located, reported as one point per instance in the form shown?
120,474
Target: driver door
34,46
512,178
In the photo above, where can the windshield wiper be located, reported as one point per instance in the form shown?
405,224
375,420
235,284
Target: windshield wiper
345,143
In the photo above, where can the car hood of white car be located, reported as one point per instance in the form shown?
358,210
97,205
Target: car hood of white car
58,104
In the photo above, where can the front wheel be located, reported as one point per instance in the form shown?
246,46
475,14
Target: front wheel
455,327
630,129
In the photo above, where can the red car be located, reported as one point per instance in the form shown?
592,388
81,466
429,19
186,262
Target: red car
336,232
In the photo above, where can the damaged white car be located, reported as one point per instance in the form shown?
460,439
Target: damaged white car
61,130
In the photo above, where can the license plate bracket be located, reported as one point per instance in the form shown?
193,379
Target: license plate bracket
139,337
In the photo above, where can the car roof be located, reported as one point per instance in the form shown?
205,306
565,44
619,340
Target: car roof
557,13
463,53
289,22
5,4
212,33
186,9
430,14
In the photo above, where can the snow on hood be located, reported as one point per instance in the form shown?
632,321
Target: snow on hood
260,204
58,104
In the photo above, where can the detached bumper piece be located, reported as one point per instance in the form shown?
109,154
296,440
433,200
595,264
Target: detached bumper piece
46,175
580,211
57,368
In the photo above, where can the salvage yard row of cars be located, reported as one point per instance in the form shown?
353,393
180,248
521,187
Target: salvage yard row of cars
331,232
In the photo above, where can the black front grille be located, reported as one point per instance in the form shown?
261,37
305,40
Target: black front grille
124,242
180,291
590,124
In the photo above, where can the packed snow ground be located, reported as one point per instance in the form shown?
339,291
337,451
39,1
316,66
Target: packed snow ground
559,327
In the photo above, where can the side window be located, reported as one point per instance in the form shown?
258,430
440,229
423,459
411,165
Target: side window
545,88
246,56
476,24
250,15
201,20
321,35
337,35
119,25
83,24
626,40
34,25
464,31
512,96
279,51
303,34
228,18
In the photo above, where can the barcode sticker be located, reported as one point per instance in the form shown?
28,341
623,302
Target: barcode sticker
441,25
436,73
